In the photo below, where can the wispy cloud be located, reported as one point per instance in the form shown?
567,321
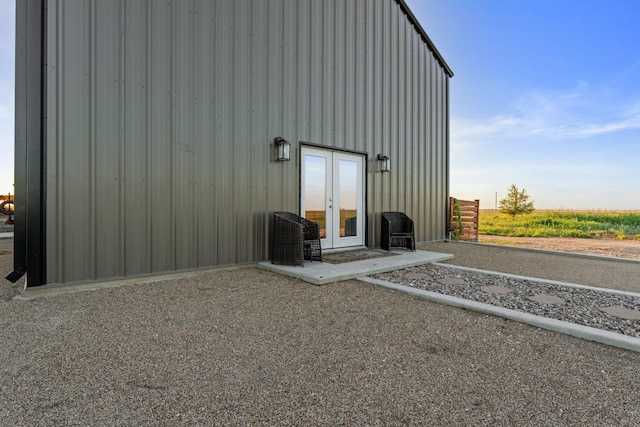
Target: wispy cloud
628,119
580,112
462,127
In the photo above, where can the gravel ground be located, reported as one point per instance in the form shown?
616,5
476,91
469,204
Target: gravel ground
575,305
4,227
250,347
7,289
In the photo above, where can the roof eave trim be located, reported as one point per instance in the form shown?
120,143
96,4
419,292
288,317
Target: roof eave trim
423,34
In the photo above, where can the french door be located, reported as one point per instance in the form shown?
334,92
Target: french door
333,195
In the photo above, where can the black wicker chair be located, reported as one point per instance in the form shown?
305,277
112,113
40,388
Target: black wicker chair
397,231
295,239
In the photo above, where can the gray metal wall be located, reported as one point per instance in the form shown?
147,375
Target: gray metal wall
161,117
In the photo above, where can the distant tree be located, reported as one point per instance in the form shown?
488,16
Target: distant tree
516,202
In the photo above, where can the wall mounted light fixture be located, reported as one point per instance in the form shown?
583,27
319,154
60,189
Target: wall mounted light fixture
384,162
283,148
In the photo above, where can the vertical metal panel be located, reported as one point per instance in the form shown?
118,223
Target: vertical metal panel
135,112
204,129
328,75
339,89
163,115
185,147
162,209
69,148
274,80
106,138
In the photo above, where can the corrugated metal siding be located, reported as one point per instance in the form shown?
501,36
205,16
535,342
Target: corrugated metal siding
161,117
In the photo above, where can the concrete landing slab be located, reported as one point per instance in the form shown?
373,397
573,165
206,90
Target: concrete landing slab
323,273
546,299
6,235
500,290
622,312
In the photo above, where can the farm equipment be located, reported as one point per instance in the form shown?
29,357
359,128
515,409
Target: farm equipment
7,207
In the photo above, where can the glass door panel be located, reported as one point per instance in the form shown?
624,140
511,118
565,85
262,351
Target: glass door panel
348,181
348,184
316,189
315,195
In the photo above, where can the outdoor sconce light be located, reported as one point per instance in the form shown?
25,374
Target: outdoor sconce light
384,162
283,148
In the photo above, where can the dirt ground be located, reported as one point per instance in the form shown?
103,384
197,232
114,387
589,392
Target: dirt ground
605,247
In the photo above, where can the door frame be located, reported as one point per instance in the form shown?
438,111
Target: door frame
365,183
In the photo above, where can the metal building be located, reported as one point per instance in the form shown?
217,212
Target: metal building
146,131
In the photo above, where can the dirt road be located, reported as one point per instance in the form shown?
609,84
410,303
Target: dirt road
605,247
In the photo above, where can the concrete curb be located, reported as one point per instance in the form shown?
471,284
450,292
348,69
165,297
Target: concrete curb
578,331
55,289
547,281
6,235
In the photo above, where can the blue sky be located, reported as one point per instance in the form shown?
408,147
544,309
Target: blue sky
546,95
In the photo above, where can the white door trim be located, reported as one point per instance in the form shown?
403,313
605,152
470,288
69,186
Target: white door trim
321,172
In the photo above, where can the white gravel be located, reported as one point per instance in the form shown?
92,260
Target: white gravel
576,305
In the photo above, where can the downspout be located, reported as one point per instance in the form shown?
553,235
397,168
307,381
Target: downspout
30,142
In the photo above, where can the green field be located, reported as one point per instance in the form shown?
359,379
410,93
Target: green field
552,223
319,218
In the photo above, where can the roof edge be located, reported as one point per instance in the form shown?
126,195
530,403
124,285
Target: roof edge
423,34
